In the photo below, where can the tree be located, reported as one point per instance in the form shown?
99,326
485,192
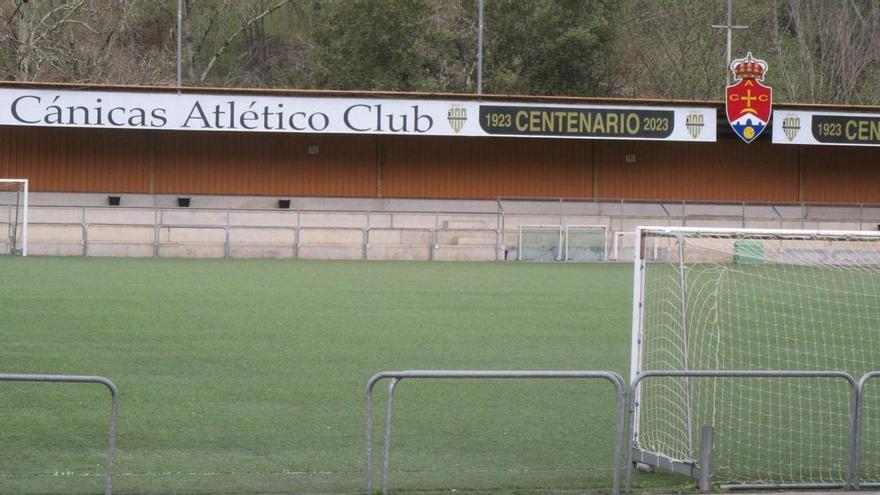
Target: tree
668,49
818,50
83,41
450,47
553,47
827,51
370,44
213,31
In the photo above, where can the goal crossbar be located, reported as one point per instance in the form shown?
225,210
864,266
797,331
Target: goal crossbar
784,233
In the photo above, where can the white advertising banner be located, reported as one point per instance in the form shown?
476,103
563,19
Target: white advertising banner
828,128
257,113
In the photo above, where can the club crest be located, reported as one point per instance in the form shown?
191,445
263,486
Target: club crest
694,124
749,102
791,125
457,116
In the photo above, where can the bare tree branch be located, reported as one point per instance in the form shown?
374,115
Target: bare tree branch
234,35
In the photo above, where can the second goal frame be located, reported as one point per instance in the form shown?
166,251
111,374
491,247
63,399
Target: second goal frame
601,229
23,183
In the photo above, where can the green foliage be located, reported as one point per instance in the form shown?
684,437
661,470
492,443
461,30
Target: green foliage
370,44
622,48
550,47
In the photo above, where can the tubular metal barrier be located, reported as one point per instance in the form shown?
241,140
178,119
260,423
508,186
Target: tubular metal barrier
396,376
114,395
852,457
857,448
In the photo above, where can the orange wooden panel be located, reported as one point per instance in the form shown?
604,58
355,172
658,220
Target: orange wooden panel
841,174
724,171
455,167
97,160
76,160
265,164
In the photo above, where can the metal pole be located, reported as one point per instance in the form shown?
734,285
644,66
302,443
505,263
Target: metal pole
706,458
386,444
684,339
856,425
854,460
24,223
365,237
519,244
499,238
179,35
156,216
114,408
729,38
729,27
226,246
559,253
480,50
853,423
396,376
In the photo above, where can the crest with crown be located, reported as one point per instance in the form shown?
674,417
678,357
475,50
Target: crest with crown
749,68
749,102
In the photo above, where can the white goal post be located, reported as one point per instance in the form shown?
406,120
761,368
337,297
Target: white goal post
562,243
539,243
755,299
14,216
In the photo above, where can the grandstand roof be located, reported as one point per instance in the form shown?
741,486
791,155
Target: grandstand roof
420,95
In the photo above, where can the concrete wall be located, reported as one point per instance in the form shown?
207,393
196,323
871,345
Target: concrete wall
322,228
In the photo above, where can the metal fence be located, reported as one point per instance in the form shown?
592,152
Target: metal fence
857,482
852,441
114,403
489,229
624,394
396,376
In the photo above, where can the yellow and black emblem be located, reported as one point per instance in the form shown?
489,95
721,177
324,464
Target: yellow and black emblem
694,124
457,117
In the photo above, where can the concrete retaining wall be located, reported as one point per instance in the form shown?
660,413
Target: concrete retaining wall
337,228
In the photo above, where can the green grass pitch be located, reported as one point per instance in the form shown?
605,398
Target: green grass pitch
248,376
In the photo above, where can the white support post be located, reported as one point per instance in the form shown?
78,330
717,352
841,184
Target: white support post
24,219
638,301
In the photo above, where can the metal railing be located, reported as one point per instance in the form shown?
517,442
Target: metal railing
501,217
114,402
624,395
852,459
625,429
396,376
857,449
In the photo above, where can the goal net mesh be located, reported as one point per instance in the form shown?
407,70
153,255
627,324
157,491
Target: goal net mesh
585,242
540,243
11,217
760,301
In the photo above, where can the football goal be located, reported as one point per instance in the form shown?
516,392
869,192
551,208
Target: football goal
755,299
586,242
14,216
539,243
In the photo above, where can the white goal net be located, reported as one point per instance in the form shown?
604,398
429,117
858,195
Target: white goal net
539,243
715,299
586,242
13,216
